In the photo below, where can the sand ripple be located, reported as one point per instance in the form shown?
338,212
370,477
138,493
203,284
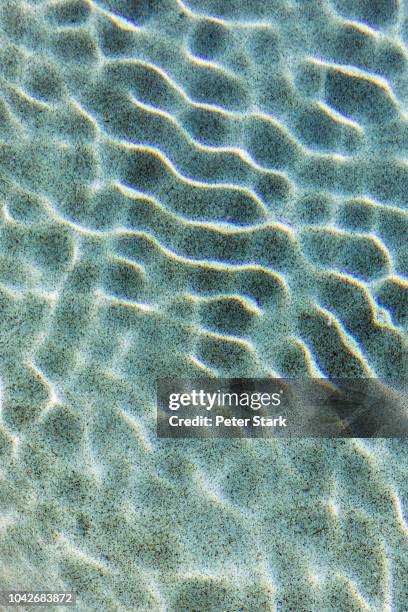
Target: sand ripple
188,189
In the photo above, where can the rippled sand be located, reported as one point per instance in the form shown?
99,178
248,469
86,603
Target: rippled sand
211,188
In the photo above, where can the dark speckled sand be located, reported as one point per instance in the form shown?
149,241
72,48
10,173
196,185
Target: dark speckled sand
216,188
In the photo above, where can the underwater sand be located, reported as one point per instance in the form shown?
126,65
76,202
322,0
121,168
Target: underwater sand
216,188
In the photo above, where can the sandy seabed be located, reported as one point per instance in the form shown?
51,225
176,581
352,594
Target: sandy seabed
215,188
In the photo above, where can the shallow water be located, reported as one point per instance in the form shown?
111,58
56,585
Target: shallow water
201,189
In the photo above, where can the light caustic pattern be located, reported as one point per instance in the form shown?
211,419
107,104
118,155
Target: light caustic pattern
210,188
